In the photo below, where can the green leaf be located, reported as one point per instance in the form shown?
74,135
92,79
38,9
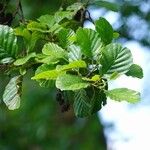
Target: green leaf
115,58
73,65
124,94
114,76
34,38
89,42
108,5
49,20
8,42
42,82
66,37
81,104
56,28
48,75
98,100
36,26
75,7
135,71
7,60
70,82
105,30
54,51
41,58
74,53
60,15
29,38
22,61
11,96
69,13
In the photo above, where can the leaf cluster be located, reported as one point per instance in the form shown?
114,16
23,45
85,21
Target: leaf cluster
76,60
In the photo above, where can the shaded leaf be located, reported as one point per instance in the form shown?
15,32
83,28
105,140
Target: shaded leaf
108,5
81,104
22,61
66,37
8,42
115,58
135,71
105,30
98,100
89,42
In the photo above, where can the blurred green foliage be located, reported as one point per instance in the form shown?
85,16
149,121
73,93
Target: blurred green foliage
39,125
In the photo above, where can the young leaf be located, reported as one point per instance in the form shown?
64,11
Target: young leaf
89,42
135,71
115,58
108,5
22,61
105,30
81,104
47,75
70,82
73,65
8,42
124,94
43,82
11,96
74,53
36,26
54,51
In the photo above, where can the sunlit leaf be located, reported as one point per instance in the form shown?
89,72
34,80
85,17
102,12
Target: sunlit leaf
54,51
74,53
47,75
12,93
43,82
70,82
36,26
49,20
73,65
124,94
